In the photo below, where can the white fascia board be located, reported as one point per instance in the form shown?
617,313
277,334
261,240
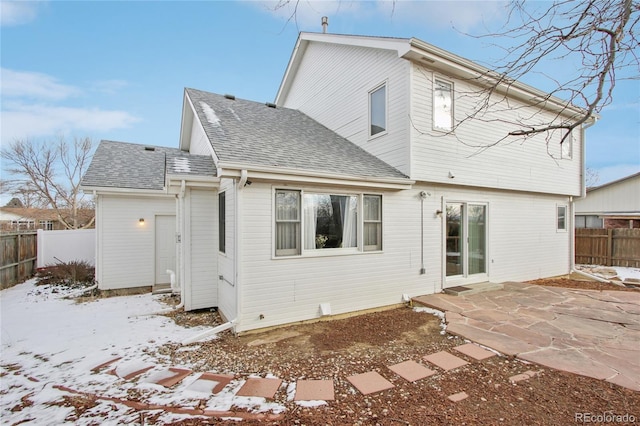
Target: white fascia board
200,180
294,175
101,190
434,57
185,130
292,69
204,132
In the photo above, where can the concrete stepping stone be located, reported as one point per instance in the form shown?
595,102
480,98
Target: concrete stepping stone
474,351
445,360
255,386
210,383
131,369
411,371
523,376
457,397
105,364
370,382
168,377
314,390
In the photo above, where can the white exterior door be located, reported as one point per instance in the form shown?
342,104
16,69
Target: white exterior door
165,247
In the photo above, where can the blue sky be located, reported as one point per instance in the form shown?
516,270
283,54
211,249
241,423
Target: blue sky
117,69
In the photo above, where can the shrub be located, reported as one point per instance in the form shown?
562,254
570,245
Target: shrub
72,274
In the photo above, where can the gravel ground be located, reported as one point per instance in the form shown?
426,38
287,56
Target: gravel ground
371,342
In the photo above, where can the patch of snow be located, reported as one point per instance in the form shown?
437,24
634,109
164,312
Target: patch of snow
439,314
311,404
626,273
236,116
181,165
210,114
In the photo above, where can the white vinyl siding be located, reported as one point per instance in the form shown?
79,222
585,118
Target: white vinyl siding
203,277
227,300
332,86
522,245
199,144
533,165
126,254
617,197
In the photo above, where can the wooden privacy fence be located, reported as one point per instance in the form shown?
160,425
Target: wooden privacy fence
608,247
19,254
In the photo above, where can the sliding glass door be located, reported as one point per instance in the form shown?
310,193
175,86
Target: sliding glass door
466,241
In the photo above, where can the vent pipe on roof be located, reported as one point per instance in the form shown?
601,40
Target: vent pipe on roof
325,24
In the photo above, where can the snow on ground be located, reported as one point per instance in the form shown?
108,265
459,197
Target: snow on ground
49,341
626,273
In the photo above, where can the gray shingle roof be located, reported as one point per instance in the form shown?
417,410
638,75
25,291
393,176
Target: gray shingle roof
252,133
134,166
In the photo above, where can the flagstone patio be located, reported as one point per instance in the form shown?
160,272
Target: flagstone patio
587,332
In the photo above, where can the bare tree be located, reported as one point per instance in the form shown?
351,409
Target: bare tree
591,177
598,37
48,175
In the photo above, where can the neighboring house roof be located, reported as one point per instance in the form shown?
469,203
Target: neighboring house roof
419,51
249,133
134,166
617,198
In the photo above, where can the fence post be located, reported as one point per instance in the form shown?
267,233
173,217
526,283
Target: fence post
609,247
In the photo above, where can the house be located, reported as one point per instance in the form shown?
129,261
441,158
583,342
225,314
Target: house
352,191
14,217
612,205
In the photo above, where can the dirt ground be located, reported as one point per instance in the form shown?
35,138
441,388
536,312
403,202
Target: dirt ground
371,342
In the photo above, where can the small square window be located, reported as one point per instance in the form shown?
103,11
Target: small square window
442,105
378,111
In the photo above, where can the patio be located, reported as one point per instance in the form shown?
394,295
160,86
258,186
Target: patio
587,332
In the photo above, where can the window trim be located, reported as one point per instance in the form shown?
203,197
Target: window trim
386,110
285,253
309,253
437,79
566,219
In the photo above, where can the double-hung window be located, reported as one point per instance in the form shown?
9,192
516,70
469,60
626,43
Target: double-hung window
442,105
566,149
314,221
372,218
222,222
287,223
378,110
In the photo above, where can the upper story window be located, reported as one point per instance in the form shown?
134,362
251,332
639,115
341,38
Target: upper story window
566,148
442,105
323,221
378,110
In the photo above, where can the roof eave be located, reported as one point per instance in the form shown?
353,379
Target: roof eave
309,176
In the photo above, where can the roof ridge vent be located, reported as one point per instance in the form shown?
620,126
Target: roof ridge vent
270,104
231,97
149,148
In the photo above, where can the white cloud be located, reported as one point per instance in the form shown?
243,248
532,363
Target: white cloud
26,84
18,12
23,121
38,105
